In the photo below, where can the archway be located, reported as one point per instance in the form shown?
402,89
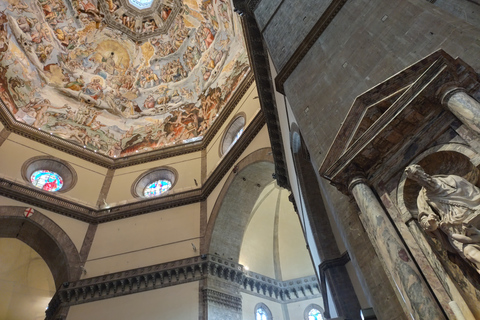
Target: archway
234,205
26,283
46,238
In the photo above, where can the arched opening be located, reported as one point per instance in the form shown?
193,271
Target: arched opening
234,205
45,237
26,283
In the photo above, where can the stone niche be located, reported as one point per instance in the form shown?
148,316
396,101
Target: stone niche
425,115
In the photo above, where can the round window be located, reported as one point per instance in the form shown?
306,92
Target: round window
232,134
157,188
154,183
47,180
49,174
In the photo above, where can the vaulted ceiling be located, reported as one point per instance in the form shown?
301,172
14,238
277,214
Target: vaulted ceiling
119,78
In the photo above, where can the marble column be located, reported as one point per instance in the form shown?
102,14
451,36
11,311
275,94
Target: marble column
414,293
464,107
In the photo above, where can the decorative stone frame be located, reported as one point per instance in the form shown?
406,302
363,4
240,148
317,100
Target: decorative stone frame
152,175
264,307
63,168
310,307
230,133
464,162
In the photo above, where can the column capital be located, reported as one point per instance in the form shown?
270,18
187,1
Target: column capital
448,92
357,179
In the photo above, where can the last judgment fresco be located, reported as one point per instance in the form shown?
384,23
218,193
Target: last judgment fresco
103,76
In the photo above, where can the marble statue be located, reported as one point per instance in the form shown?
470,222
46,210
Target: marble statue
452,204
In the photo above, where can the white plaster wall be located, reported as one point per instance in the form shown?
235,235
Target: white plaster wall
145,240
178,302
74,228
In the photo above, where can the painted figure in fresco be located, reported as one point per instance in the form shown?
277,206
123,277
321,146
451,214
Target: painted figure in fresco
94,89
19,6
76,56
149,102
112,6
449,203
76,85
26,23
165,13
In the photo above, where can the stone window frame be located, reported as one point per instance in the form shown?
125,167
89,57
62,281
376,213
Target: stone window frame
310,307
59,166
264,307
230,133
152,175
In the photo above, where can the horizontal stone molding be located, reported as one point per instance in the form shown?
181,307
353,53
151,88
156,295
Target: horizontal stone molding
56,203
281,291
12,125
179,272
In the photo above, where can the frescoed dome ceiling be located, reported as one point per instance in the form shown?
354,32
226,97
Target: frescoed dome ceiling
119,77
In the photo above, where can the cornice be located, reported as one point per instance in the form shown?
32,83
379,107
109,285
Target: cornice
179,272
260,64
307,43
46,200
9,122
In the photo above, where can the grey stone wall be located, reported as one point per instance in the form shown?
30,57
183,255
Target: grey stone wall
364,43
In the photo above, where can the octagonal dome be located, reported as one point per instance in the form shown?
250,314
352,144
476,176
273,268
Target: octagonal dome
117,80
141,4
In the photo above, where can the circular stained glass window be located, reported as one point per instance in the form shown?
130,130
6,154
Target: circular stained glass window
157,188
47,180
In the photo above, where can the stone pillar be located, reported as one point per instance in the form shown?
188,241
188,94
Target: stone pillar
221,298
464,107
415,295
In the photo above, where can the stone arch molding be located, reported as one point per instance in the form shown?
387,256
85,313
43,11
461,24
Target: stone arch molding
231,213
46,238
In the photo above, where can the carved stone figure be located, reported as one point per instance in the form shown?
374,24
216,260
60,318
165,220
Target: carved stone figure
452,204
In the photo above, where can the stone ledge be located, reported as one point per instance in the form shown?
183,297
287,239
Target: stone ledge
179,272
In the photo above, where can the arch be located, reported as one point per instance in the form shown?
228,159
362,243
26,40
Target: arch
46,238
231,213
309,308
264,307
451,158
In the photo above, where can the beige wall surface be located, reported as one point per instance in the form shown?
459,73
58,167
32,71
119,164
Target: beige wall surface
295,260
145,240
172,303
188,168
17,150
296,310
74,228
26,283
257,252
249,105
